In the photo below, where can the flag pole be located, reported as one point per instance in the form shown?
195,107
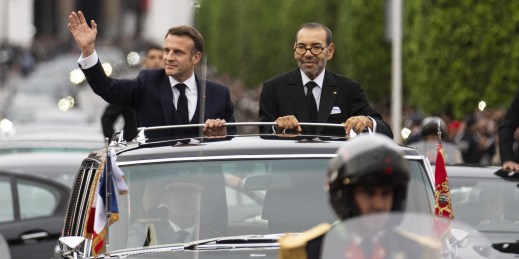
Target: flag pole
107,198
201,100
439,132
439,135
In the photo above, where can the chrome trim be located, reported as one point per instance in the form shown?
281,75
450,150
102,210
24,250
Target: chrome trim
336,125
214,247
214,158
141,136
36,235
413,157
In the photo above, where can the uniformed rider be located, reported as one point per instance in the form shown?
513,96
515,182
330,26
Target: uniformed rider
367,176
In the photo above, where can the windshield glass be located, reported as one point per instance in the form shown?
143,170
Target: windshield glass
490,205
187,201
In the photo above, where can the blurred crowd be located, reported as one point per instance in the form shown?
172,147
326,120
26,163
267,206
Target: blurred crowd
475,137
15,59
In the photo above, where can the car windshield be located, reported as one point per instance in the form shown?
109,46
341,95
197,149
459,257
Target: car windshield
222,198
490,205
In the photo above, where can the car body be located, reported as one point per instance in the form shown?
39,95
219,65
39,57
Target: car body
32,214
487,198
254,188
44,158
49,150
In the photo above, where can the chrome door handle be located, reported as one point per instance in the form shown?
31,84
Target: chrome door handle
34,235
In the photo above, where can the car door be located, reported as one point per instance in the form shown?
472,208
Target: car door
31,215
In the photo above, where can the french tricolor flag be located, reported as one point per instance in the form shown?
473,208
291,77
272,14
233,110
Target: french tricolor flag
98,219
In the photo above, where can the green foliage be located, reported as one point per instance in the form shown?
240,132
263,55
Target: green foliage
253,39
362,52
456,52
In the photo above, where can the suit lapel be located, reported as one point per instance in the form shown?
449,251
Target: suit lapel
328,96
166,99
198,102
296,95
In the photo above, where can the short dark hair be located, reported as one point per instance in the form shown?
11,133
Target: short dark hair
191,32
314,25
153,47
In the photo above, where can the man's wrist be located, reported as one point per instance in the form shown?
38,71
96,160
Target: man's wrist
88,51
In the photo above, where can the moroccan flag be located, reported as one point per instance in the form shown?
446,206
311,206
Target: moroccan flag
442,195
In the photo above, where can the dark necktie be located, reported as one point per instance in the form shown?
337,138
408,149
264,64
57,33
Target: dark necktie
182,104
310,101
182,234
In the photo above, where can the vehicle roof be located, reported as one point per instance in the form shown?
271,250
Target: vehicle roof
238,145
472,171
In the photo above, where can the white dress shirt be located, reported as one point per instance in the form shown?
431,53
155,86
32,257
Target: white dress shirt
191,93
316,90
191,229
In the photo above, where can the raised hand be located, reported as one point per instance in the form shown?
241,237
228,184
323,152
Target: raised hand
84,35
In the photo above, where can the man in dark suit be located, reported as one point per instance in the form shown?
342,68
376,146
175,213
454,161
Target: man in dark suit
332,98
181,206
152,59
507,129
181,202
170,96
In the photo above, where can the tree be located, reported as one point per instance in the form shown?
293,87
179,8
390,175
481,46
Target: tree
460,52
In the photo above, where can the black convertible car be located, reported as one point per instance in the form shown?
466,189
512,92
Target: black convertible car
240,192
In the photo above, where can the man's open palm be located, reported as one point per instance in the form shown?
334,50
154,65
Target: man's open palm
82,33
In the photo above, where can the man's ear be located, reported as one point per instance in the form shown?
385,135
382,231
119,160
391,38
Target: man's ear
331,49
196,57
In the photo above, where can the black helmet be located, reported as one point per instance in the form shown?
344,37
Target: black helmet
366,160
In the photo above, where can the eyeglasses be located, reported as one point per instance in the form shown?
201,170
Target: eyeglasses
315,49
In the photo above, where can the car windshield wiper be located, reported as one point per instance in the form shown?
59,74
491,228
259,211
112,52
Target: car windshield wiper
147,250
269,240
245,241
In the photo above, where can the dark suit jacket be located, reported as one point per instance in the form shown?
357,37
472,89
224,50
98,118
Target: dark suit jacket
506,132
284,95
151,96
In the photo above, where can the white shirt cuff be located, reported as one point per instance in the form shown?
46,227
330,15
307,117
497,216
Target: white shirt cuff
374,124
88,62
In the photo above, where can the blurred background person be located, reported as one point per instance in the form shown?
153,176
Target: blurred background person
507,136
153,59
414,124
430,139
472,143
